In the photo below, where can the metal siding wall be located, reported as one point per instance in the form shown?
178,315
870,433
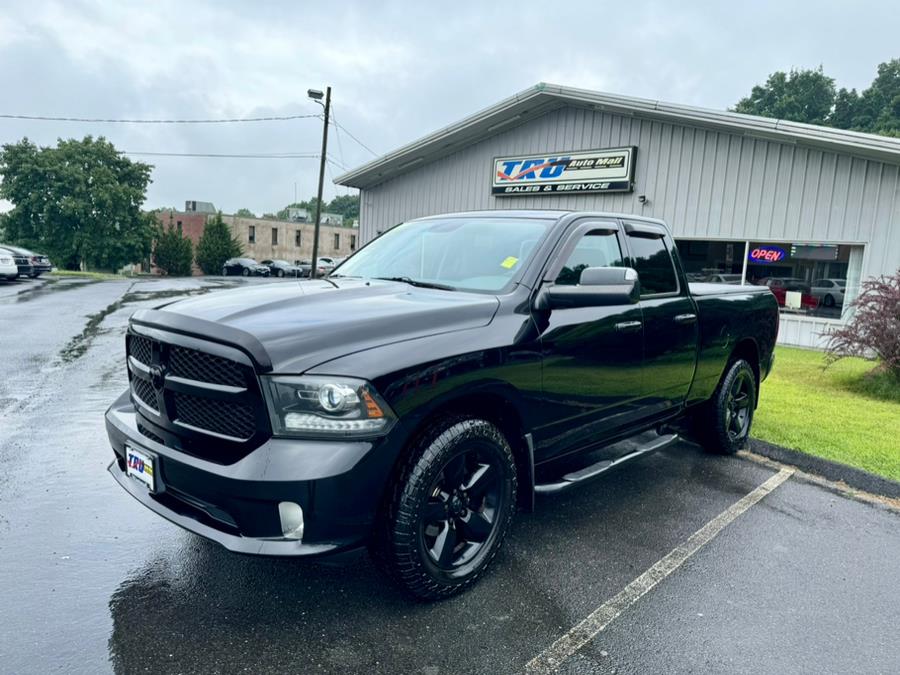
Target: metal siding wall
703,182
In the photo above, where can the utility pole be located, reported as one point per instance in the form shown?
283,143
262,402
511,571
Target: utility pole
317,96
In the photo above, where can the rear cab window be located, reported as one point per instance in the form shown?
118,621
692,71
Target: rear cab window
651,258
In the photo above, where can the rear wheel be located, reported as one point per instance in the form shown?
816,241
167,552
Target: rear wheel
449,509
723,423
280,273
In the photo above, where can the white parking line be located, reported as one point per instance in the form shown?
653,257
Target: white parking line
585,631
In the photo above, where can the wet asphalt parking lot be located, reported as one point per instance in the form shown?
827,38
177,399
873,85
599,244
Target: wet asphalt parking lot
803,579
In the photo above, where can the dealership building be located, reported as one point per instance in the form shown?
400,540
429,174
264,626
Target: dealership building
810,211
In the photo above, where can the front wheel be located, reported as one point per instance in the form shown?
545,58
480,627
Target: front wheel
448,510
246,272
723,423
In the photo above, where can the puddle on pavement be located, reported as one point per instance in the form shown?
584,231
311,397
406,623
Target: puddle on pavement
78,345
52,286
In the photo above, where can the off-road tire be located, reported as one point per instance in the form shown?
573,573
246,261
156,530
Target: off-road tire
397,546
711,423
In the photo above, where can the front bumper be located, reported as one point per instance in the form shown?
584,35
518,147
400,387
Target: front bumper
338,484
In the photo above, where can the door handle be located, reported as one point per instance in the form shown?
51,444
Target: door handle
685,318
628,326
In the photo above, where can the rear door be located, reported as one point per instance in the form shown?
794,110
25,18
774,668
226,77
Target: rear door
591,355
670,331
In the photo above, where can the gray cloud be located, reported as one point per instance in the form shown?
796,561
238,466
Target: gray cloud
398,70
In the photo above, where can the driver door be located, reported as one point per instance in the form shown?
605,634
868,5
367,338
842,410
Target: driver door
592,356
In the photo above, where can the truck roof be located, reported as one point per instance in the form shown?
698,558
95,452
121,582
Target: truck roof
554,214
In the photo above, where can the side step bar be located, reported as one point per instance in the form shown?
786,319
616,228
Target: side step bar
594,470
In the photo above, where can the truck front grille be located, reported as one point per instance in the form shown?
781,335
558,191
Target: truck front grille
203,367
220,417
199,402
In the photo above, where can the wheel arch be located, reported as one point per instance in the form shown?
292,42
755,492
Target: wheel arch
497,403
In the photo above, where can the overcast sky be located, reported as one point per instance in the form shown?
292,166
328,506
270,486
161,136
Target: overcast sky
398,71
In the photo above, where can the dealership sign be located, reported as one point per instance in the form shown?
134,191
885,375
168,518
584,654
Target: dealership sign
766,255
610,170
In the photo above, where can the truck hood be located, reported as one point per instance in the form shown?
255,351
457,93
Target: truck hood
303,324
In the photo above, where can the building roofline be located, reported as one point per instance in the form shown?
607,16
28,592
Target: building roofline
542,98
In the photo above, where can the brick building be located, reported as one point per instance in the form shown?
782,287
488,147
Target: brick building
266,239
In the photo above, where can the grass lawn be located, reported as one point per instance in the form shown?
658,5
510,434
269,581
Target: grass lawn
100,276
846,413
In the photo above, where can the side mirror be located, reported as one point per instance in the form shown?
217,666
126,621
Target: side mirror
598,287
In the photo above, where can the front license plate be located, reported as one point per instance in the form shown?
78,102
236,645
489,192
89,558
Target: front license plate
140,466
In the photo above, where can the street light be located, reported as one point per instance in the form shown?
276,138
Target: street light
316,96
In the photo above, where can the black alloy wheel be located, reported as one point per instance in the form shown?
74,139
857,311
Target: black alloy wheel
739,405
448,509
461,513
722,424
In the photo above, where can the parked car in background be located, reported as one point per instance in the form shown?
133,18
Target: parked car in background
326,265
830,292
244,267
8,268
724,279
38,261
282,268
23,262
781,285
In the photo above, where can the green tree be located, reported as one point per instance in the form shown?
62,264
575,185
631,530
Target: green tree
216,245
173,252
346,205
878,107
309,205
801,96
80,202
245,213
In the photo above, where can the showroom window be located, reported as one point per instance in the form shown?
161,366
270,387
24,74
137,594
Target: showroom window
807,278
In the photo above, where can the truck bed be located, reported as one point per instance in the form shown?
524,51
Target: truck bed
700,289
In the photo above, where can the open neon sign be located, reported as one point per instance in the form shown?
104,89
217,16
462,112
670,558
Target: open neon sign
766,255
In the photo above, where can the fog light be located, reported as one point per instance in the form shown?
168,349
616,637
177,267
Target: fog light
291,520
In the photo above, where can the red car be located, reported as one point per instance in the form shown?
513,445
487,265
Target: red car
781,285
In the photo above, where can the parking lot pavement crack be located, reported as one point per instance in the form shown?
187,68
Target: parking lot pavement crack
582,633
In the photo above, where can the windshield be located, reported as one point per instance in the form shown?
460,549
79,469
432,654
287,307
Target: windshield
467,253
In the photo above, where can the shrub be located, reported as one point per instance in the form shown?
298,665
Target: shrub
216,245
174,252
874,329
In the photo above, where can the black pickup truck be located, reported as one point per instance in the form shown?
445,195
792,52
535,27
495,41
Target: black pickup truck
426,390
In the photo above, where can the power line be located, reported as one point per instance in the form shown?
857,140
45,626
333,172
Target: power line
344,129
95,120
337,134
218,155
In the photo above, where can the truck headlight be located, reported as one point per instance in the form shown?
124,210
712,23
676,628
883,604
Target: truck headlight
321,406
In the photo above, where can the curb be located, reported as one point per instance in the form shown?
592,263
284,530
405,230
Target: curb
834,471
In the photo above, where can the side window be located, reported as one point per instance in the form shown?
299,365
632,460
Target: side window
597,248
653,263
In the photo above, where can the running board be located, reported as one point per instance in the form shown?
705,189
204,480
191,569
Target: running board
594,470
